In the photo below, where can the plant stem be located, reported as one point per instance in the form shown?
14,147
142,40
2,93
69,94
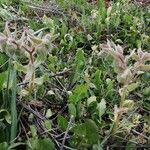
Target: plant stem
119,113
123,96
31,84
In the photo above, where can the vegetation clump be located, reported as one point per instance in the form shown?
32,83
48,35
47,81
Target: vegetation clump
74,75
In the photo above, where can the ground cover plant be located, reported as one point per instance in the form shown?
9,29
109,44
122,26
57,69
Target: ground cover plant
74,74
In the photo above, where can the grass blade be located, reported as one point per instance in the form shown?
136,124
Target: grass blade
13,108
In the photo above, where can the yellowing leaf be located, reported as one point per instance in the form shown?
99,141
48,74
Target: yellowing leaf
133,86
128,104
36,40
143,67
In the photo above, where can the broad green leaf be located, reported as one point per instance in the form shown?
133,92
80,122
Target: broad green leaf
97,78
33,130
101,107
146,91
79,64
72,109
79,93
102,10
79,59
62,122
92,134
79,130
109,83
3,79
42,144
48,124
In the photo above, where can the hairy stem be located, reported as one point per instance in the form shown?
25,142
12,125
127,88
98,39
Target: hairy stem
31,84
119,113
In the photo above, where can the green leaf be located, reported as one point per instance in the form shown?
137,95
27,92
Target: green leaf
146,91
79,93
101,107
3,146
97,78
3,79
102,9
133,86
79,64
48,124
92,134
72,109
62,122
42,144
79,130
33,130
79,59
